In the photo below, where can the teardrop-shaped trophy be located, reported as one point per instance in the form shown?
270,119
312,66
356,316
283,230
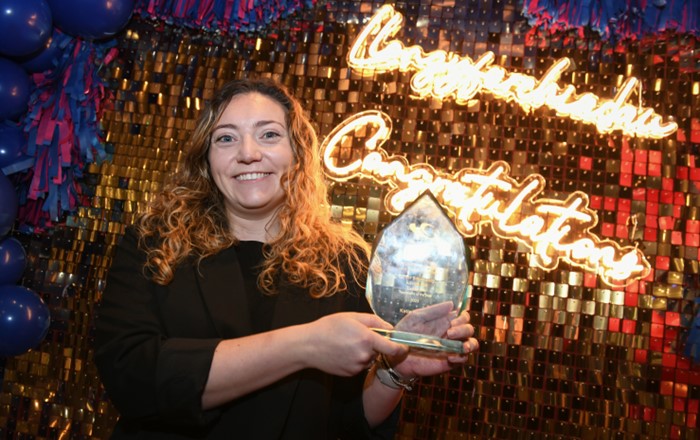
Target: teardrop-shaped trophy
418,260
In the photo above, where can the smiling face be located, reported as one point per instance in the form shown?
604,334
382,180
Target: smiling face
250,151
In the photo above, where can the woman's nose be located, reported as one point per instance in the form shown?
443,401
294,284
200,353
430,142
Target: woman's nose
249,150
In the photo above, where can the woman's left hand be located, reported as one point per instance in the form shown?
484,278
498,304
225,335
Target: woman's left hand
435,320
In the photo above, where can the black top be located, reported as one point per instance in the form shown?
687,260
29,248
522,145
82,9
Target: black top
262,306
154,346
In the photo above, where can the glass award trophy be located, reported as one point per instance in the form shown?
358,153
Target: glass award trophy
418,261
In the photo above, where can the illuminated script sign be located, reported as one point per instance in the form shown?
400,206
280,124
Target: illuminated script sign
440,74
553,230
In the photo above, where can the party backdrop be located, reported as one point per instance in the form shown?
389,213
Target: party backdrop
566,352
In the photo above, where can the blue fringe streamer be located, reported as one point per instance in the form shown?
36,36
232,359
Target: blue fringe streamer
616,19
226,16
63,131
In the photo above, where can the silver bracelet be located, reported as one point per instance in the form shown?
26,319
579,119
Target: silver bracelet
389,377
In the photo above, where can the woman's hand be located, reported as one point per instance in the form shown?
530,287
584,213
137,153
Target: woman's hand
435,320
343,344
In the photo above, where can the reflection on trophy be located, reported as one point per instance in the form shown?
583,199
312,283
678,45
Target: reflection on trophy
418,260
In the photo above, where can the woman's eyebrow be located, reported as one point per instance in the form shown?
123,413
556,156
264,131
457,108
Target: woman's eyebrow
220,126
257,124
271,121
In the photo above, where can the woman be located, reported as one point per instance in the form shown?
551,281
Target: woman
234,307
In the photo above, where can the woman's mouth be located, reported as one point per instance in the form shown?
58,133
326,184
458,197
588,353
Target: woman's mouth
251,176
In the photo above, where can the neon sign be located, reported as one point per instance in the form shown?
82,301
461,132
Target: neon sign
553,230
440,74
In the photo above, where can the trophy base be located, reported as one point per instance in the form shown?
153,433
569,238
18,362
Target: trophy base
423,342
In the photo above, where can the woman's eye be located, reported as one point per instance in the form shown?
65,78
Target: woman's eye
224,138
269,135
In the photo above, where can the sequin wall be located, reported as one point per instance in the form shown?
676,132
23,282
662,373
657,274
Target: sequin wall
563,355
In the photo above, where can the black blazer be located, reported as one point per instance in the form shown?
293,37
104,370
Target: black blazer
154,346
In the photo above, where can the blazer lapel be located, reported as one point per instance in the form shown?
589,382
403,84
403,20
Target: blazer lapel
223,290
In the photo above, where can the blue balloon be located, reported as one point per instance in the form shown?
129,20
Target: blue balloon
48,56
91,19
14,89
24,320
13,260
11,142
9,204
25,25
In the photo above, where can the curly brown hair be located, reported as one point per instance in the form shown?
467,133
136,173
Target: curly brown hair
188,220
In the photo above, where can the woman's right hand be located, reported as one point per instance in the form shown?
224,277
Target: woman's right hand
344,344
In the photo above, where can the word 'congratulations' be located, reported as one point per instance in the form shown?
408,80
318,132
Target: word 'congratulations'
442,75
553,230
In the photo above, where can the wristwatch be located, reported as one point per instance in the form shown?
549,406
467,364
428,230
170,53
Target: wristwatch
389,377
